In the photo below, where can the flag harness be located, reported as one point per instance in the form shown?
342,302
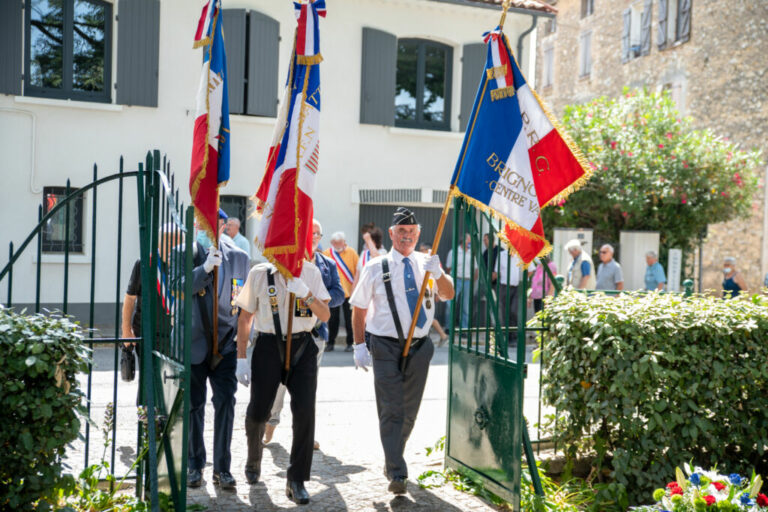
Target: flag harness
274,306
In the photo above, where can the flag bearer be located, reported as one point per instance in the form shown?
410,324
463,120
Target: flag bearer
265,299
384,302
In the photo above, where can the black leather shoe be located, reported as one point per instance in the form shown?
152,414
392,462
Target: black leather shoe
225,480
194,478
349,349
251,476
329,348
398,485
296,492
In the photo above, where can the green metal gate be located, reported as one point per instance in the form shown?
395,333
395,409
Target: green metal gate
486,432
164,371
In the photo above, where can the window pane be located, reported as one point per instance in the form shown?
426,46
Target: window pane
405,97
88,46
54,231
46,43
434,84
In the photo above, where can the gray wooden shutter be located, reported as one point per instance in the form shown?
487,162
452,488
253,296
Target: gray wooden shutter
11,39
378,79
645,29
472,65
625,35
138,44
234,45
684,21
662,34
262,71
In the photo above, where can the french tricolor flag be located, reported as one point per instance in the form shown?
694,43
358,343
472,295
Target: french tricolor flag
514,159
210,141
284,198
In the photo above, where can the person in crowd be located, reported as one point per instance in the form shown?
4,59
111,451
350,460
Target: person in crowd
209,367
266,299
508,279
465,274
320,333
490,253
581,273
541,285
373,245
655,279
233,230
609,276
733,282
427,249
385,301
345,259
203,238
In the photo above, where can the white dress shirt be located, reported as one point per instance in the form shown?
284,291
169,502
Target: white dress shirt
254,298
464,269
371,294
508,268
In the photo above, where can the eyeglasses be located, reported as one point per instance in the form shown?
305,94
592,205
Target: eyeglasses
317,235
603,252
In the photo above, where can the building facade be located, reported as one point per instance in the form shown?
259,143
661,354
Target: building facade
86,81
709,55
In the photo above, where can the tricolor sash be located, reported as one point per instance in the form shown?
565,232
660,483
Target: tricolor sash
342,266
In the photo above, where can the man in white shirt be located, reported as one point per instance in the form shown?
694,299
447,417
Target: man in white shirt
265,299
384,303
465,273
507,278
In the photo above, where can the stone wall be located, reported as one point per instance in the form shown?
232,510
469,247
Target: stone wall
719,77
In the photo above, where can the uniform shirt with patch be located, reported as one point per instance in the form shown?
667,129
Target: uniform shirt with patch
254,298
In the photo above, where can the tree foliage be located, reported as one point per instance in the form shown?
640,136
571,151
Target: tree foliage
653,171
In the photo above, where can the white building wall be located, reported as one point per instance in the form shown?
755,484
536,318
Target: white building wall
45,141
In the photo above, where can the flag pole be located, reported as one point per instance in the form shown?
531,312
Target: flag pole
216,357
288,338
439,233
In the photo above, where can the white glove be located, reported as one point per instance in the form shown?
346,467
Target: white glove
243,372
213,259
433,266
297,287
362,357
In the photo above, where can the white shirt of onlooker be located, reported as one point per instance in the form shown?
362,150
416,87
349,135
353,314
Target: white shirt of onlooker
508,268
463,262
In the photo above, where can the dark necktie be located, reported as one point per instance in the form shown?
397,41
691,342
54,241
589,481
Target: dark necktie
412,293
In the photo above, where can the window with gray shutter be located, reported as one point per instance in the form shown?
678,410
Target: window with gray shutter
10,46
378,77
645,30
234,47
662,33
625,34
138,47
684,21
472,65
262,65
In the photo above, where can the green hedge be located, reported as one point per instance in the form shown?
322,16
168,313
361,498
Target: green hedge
648,382
40,403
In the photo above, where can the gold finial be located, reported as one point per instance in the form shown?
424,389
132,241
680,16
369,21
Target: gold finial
504,7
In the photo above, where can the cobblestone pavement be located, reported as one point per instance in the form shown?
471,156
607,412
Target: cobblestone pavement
347,471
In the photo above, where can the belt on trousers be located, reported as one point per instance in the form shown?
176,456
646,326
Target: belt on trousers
294,336
303,337
416,343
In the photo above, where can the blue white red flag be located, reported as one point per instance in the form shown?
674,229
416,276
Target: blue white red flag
210,142
514,159
284,198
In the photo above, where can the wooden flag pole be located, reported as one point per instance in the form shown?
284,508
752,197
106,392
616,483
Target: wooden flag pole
216,357
288,336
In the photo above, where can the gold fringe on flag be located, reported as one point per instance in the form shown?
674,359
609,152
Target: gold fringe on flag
504,92
309,60
202,42
497,72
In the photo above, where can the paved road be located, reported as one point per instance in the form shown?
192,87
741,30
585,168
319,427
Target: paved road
347,470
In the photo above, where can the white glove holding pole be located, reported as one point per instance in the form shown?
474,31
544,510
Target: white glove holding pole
362,357
213,259
433,266
297,287
243,372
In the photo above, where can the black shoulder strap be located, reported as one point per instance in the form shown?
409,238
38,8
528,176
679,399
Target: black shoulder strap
387,278
273,304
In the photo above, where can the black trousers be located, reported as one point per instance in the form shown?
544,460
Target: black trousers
333,323
224,385
266,370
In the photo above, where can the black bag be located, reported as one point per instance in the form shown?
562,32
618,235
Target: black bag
127,363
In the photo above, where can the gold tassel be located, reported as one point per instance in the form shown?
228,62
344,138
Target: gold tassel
504,92
309,60
497,72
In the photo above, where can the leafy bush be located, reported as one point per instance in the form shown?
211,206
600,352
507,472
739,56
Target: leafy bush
653,171
648,382
40,403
